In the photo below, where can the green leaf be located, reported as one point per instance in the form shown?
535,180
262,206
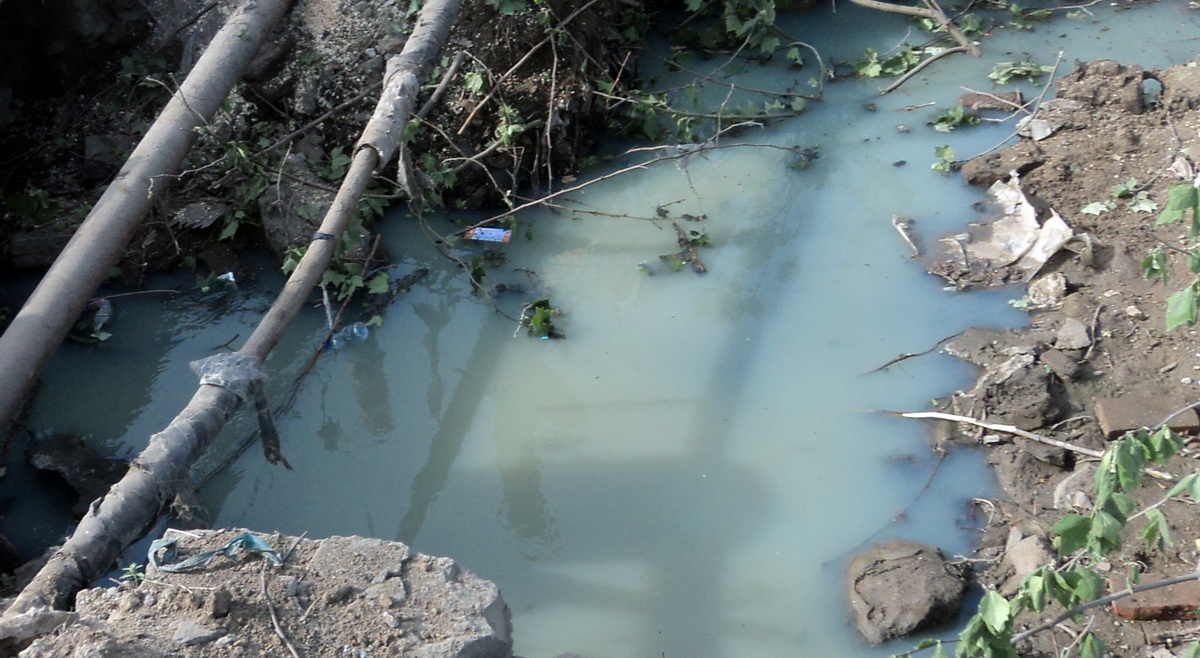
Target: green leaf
1156,533
1165,443
1072,531
1181,307
1097,207
1130,461
939,652
1089,585
1154,265
1035,590
1193,651
1194,262
1180,199
996,612
375,321
1142,203
926,643
230,229
378,284
1184,484
1124,190
1091,647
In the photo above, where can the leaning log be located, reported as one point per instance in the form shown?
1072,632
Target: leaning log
46,318
120,518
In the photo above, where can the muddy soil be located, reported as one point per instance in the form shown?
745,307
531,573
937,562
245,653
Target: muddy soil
1104,337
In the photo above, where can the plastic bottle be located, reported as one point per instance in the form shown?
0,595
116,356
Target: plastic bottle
351,335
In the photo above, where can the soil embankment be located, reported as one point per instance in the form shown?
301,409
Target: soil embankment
1097,351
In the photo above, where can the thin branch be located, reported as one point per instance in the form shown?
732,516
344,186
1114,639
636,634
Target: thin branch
1128,591
919,67
910,355
521,62
275,617
1010,429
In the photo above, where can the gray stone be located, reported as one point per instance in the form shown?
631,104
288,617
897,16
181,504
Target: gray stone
191,634
1073,493
1048,290
1072,335
901,587
1023,555
1060,364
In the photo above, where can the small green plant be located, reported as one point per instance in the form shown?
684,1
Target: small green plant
1098,207
538,317
133,573
954,117
1182,200
32,206
1005,72
902,61
945,159
1082,540
1023,19
968,23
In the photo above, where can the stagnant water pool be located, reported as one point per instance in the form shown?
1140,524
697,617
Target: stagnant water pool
686,473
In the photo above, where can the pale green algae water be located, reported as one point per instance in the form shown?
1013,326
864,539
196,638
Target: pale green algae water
686,473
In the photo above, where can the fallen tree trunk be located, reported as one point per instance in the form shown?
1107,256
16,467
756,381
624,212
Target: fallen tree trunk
43,322
119,518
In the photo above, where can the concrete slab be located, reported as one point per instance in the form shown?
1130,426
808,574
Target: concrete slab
1120,415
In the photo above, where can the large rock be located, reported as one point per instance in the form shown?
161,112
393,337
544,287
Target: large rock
349,596
900,587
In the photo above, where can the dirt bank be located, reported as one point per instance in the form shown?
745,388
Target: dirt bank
1117,146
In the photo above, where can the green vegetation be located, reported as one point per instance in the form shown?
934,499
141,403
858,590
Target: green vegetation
1082,541
1182,200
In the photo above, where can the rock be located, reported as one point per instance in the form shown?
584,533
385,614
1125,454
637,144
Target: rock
292,210
35,248
1103,83
1023,555
1060,364
191,634
85,470
1048,290
987,169
1175,602
1019,393
901,587
1072,335
1073,493
410,605
1180,88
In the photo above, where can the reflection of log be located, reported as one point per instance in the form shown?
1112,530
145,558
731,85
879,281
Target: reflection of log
119,518
693,254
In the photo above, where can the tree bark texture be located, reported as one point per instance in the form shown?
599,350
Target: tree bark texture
119,518
42,323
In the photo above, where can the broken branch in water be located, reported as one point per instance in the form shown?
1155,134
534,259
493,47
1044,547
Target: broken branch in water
1011,429
689,246
909,355
917,69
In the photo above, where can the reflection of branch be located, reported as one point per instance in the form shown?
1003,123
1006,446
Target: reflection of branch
698,115
704,148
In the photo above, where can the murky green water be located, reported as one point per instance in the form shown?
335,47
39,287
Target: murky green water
686,472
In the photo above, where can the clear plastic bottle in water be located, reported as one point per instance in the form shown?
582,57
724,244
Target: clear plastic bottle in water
351,335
